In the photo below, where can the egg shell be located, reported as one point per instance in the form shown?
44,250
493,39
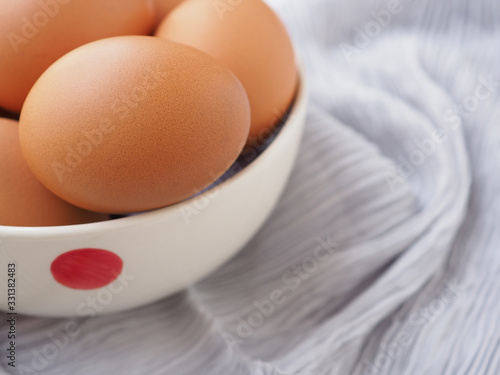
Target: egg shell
24,201
129,124
36,33
249,38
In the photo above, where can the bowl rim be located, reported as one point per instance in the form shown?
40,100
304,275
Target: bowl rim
145,217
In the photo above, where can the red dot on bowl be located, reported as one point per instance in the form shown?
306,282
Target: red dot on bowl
86,268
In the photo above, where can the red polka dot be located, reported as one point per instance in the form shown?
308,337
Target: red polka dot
86,268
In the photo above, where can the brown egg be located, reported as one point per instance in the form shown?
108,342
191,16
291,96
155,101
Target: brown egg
133,123
248,37
163,7
24,201
37,33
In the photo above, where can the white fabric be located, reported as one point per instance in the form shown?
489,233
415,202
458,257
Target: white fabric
389,221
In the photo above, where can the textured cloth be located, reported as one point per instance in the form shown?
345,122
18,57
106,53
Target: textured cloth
382,256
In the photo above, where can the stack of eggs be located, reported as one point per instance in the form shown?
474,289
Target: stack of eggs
130,105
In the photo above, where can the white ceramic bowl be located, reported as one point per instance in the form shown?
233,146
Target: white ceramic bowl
105,267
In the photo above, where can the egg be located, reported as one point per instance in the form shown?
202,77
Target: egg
37,33
129,124
24,201
249,38
163,7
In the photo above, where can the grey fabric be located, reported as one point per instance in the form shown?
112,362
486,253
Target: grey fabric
382,255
